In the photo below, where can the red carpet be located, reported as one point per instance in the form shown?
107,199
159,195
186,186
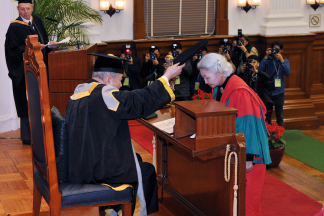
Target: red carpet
282,199
141,134
279,199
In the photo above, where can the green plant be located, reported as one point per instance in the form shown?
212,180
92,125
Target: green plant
275,138
70,14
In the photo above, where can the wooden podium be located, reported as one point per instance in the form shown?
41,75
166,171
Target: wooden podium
190,171
67,69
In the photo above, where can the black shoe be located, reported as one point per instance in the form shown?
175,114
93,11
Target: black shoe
26,142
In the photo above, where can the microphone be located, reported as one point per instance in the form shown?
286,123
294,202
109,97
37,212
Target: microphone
54,20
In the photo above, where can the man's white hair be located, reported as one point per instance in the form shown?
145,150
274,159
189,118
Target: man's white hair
216,63
103,75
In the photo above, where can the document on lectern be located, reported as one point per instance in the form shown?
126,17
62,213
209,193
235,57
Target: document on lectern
166,125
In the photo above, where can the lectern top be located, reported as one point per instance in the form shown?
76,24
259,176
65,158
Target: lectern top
200,108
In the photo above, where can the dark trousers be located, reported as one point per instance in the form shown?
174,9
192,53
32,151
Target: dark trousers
278,100
24,129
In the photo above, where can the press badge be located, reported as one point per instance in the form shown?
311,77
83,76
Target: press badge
126,81
277,82
149,83
177,82
197,85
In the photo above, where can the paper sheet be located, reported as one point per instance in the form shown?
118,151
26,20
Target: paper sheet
66,40
166,125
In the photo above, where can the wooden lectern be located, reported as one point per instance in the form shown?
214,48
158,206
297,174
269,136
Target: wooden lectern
190,171
67,69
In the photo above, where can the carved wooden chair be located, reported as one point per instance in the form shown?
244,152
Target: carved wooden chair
49,182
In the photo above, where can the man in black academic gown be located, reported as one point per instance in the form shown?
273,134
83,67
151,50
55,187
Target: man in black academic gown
100,147
15,45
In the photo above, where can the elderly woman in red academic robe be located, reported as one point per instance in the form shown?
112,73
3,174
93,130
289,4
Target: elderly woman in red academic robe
233,91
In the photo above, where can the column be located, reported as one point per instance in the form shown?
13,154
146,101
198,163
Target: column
285,17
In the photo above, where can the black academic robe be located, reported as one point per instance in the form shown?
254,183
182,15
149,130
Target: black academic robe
100,147
14,49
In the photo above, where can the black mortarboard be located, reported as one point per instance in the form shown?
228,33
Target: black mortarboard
24,1
191,51
107,63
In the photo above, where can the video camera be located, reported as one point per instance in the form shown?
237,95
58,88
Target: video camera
274,51
240,41
174,51
127,52
153,55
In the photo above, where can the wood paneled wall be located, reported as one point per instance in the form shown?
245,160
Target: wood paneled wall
305,53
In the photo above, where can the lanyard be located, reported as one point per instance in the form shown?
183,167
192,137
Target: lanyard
277,69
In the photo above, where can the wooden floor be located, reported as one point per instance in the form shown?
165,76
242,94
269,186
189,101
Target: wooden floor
16,177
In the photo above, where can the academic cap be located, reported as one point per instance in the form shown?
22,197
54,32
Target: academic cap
191,51
107,63
24,1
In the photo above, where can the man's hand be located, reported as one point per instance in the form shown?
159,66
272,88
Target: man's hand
268,52
279,57
249,166
195,57
255,69
173,71
147,57
53,44
220,50
43,46
227,56
242,47
244,67
155,61
130,61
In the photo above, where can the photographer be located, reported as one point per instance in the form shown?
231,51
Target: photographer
196,80
182,82
255,78
225,50
152,67
244,50
278,68
132,69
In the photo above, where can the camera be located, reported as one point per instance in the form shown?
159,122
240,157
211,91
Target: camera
240,41
174,51
273,52
127,52
225,48
248,66
153,56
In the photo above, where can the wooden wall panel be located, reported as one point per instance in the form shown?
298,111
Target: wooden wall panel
318,64
295,79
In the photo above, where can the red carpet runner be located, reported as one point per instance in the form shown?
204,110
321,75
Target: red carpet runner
279,199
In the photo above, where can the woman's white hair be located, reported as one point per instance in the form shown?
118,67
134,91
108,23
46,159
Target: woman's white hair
216,63
103,75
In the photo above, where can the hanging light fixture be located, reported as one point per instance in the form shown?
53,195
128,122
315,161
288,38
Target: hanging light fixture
246,6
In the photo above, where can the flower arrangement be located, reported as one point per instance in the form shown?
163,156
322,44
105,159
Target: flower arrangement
275,135
202,95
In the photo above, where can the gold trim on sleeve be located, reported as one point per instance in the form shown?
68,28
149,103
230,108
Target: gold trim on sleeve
112,96
167,87
119,188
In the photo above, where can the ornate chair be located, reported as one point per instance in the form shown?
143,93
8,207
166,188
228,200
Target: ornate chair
50,169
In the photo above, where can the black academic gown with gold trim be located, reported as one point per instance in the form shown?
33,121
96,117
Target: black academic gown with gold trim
14,49
100,147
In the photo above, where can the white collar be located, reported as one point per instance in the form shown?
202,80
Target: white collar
25,20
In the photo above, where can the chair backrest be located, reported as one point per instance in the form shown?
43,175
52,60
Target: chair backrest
40,116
